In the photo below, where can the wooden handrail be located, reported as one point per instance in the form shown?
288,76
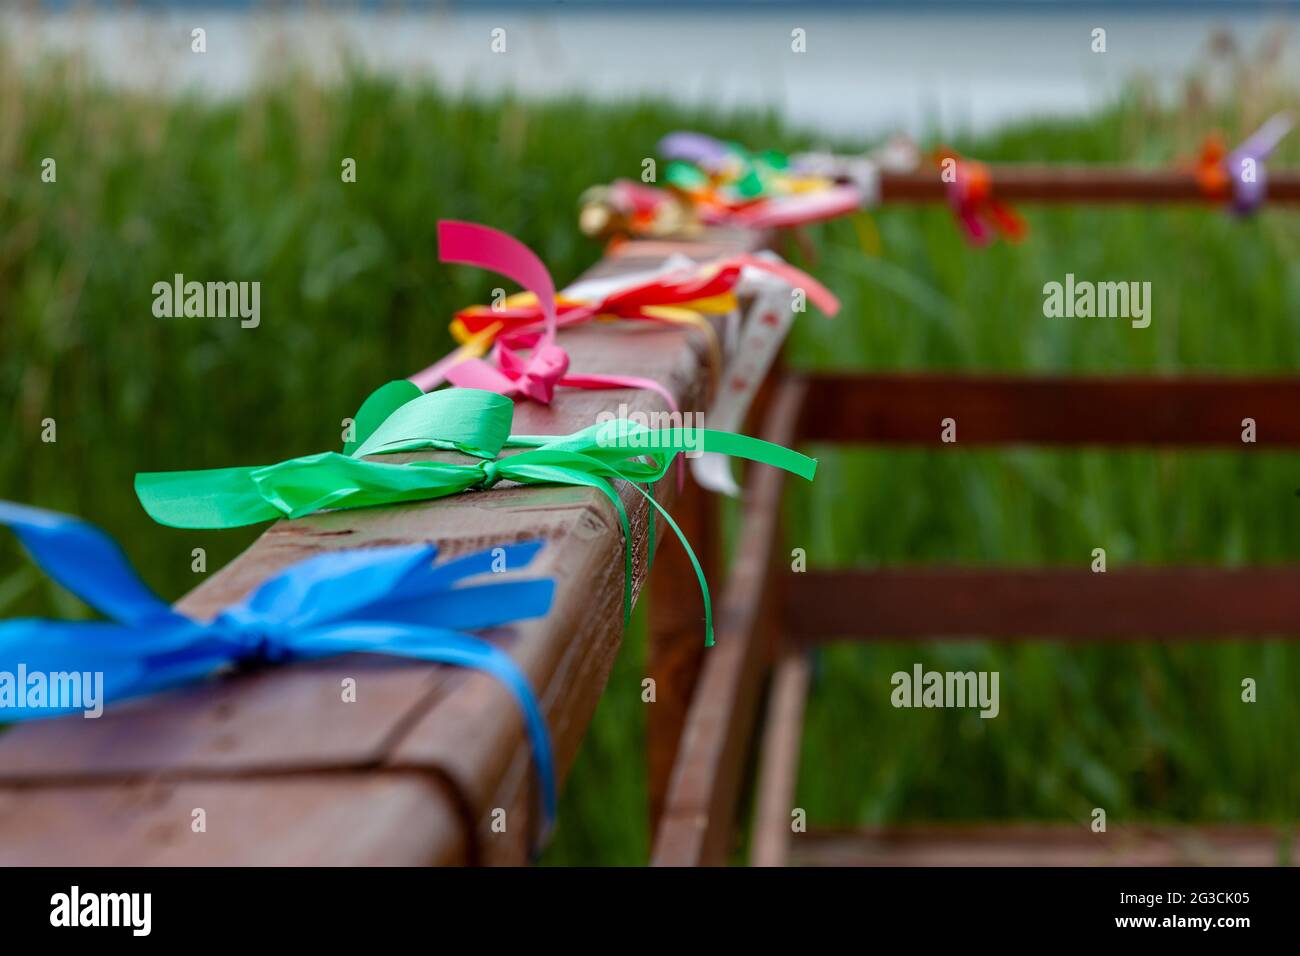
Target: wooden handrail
1003,603
1040,183
1073,603
910,408
417,770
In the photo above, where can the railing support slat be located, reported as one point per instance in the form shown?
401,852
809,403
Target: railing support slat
1072,603
778,767
1000,409
696,827
675,652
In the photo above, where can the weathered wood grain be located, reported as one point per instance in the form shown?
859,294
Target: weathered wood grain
325,820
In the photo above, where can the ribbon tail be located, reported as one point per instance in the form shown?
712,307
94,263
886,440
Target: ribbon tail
491,249
630,381
213,498
545,465
764,452
973,228
87,562
1008,221
475,346
818,294
695,563
95,662
477,373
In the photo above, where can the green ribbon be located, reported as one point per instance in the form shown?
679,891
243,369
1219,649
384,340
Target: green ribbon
753,180
473,422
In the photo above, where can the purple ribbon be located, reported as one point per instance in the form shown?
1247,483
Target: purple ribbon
1248,195
704,151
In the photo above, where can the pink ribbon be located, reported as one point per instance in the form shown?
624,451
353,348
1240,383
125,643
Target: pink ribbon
536,375
675,288
801,208
511,373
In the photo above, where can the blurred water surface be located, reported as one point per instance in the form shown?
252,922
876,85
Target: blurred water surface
931,69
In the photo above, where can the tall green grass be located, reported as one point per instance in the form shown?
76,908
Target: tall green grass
352,295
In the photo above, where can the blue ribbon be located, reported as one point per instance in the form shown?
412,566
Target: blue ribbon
374,601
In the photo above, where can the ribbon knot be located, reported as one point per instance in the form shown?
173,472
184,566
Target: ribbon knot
510,372
255,641
393,601
269,649
491,471
536,376
595,457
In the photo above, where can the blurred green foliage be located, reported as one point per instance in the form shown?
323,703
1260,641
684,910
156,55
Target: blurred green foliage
352,295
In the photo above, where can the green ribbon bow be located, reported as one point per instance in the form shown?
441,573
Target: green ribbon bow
398,417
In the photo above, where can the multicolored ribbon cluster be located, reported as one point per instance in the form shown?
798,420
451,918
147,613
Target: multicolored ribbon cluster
392,601
715,183
726,183
474,422
533,319
712,183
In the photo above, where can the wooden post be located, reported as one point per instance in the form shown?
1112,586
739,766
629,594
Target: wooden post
779,761
696,827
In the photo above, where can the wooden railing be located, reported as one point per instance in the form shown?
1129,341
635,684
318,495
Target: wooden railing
952,602
430,762
419,768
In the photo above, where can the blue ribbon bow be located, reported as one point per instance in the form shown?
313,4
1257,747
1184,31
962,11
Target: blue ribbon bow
376,601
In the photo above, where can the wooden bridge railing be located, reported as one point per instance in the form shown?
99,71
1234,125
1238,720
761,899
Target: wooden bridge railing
418,769
933,603
414,771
